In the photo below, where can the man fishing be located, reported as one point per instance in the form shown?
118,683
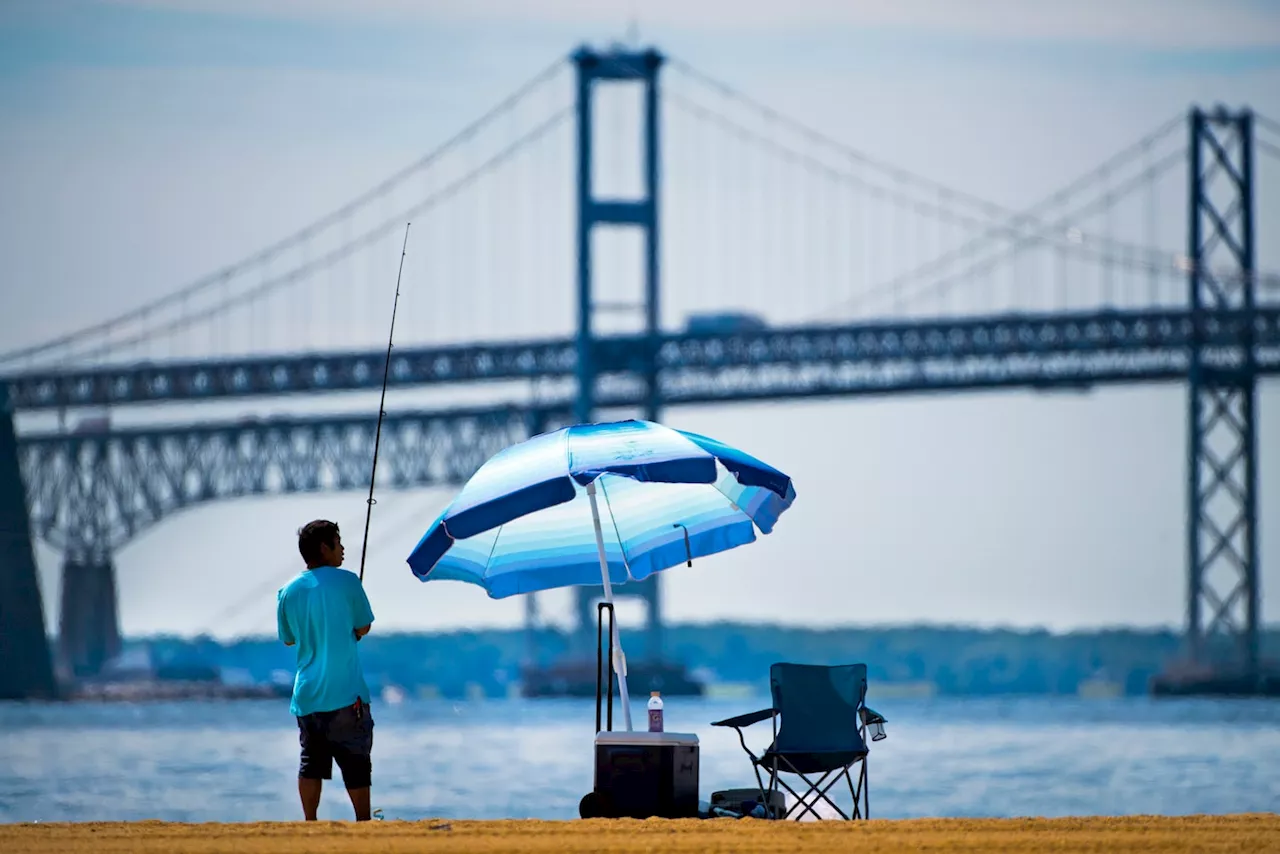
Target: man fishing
324,612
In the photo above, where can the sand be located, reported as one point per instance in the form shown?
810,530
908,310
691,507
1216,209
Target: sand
1147,834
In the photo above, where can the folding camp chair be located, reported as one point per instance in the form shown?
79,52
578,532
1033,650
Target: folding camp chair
820,723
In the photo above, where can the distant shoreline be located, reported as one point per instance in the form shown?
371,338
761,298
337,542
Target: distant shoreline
739,625
919,661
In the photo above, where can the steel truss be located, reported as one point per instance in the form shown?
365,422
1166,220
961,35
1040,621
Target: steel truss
90,494
1222,538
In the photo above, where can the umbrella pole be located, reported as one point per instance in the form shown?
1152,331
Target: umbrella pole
619,660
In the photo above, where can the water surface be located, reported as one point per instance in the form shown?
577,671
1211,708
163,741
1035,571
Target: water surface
237,761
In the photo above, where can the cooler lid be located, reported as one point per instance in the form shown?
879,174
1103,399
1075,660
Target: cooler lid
644,737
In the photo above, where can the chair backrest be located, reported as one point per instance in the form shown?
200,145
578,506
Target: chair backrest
818,706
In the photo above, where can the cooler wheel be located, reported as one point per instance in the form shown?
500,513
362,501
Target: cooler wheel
595,805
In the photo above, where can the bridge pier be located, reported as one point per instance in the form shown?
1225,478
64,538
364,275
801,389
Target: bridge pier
26,668
648,591
89,622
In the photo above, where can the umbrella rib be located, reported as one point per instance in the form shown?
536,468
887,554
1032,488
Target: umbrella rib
622,547
727,497
493,548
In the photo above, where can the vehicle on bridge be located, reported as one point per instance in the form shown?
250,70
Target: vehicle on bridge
724,323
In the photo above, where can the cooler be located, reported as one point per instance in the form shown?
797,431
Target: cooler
647,774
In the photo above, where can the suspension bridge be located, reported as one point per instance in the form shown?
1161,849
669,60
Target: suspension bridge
549,297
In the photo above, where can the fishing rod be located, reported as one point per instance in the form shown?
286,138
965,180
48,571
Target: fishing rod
382,405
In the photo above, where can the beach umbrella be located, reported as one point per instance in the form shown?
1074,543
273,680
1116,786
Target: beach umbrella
600,504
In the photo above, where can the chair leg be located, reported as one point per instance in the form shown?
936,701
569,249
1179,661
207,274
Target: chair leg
755,767
866,791
856,792
821,790
861,793
774,780
844,772
764,793
802,805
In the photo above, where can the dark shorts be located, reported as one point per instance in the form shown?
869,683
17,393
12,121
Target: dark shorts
344,736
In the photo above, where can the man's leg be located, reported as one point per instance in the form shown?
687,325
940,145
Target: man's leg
352,741
309,792
315,764
360,802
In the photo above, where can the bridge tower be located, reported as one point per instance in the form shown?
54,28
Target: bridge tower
1222,535
617,66
26,669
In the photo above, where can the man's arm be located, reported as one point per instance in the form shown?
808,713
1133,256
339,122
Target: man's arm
361,612
282,622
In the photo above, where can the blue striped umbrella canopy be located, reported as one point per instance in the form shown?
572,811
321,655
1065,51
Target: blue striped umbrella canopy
600,504
523,522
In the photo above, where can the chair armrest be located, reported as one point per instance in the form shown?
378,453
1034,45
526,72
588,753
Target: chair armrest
747,719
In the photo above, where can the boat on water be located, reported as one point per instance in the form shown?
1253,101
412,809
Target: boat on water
1215,684
578,679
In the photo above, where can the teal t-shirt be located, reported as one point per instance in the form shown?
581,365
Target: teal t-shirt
319,611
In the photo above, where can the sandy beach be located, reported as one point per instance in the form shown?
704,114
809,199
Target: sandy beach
1240,833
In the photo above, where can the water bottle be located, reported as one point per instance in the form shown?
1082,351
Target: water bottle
655,712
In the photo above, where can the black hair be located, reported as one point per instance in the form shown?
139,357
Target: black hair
312,536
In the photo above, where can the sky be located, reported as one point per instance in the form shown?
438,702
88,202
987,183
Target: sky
146,142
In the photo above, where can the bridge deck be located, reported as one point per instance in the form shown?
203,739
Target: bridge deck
955,353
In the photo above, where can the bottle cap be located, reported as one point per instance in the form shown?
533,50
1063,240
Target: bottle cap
653,693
